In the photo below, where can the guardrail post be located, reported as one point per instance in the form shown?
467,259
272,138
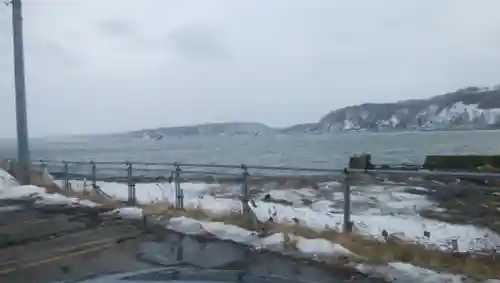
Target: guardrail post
66,175
94,177
179,197
347,203
244,190
44,171
9,166
131,184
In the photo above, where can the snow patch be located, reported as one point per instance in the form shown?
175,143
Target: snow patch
6,180
314,247
58,199
412,227
399,272
11,190
239,235
126,212
21,192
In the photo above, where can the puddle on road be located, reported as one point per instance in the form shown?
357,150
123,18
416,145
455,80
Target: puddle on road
179,249
10,208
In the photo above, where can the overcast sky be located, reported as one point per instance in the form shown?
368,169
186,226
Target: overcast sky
96,66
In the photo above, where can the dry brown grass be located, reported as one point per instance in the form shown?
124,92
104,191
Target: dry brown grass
167,211
37,179
475,266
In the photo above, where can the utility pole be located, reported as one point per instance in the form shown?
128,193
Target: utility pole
23,151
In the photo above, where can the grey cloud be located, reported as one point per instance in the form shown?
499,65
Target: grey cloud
494,39
117,28
280,62
5,38
50,53
5,30
128,35
199,42
5,44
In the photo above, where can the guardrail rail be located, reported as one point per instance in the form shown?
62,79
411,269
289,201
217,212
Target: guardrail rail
175,172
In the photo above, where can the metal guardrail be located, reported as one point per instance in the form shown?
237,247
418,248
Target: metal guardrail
427,173
173,172
178,164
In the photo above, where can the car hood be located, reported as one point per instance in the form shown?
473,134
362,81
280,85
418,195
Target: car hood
176,274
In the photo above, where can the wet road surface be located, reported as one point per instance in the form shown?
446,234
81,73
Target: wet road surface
197,251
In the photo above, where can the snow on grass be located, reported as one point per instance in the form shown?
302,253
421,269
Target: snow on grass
411,226
11,190
213,206
399,272
294,196
126,212
145,192
375,208
314,246
196,195
58,199
364,199
6,180
21,192
185,225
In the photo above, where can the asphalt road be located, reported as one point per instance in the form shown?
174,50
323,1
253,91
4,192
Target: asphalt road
71,244
41,246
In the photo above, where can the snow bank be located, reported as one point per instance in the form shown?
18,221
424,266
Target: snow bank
313,247
21,192
399,272
196,195
41,197
127,212
58,199
11,190
145,192
6,180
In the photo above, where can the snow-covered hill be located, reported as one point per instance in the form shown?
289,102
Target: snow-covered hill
466,109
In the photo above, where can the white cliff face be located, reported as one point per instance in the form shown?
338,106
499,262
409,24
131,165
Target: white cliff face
458,115
468,114
349,125
472,108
